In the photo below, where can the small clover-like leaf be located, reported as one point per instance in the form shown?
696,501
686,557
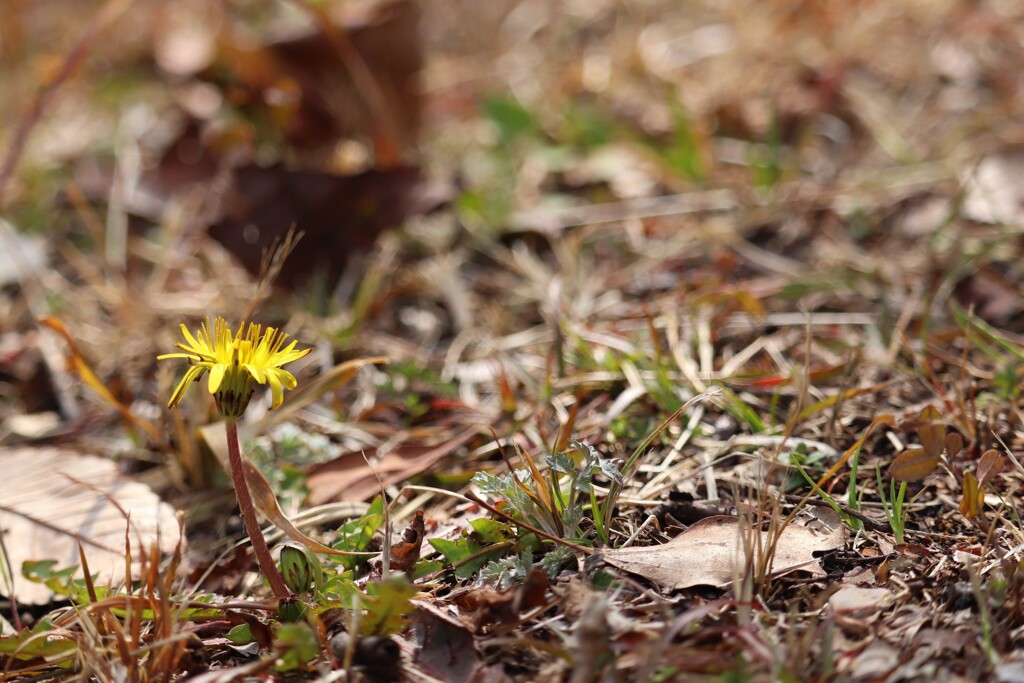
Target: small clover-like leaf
991,463
913,464
932,431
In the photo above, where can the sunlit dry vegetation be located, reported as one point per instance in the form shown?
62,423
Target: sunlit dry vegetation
626,340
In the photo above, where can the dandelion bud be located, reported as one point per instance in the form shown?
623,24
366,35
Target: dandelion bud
291,609
298,568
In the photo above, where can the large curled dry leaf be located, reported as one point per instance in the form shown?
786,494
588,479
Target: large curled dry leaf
53,499
710,553
266,502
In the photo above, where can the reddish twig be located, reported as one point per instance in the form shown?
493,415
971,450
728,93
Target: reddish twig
252,527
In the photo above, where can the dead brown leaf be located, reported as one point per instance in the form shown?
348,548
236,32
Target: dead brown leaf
932,431
860,599
498,611
352,76
916,463
406,552
991,463
349,477
710,553
970,500
913,464
339,215
446,648
54,499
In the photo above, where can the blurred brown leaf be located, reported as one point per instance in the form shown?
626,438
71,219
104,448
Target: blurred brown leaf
55,499
307,84
932,431
991,463
913,464
970,500
340,216
447,650
349,477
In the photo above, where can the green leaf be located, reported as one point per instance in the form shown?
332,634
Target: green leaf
60,581
340,588
511,118
386,605
425,568
32,644
735,406
241,635
41,571
561,463
357,534
1005,382
491,531
297,646
456,553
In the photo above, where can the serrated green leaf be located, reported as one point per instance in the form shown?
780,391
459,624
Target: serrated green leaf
562,463
457,552
385,605
297,646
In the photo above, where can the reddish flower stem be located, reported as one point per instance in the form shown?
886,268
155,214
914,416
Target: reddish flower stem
252,526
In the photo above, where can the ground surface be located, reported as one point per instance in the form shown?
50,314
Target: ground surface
712,280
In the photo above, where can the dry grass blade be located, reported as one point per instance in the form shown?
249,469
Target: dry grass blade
109,13
87,375
813,207
272,261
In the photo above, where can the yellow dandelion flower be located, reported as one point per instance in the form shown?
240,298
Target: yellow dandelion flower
236,363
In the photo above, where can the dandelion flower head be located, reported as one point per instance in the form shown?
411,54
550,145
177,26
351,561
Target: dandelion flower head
236,363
